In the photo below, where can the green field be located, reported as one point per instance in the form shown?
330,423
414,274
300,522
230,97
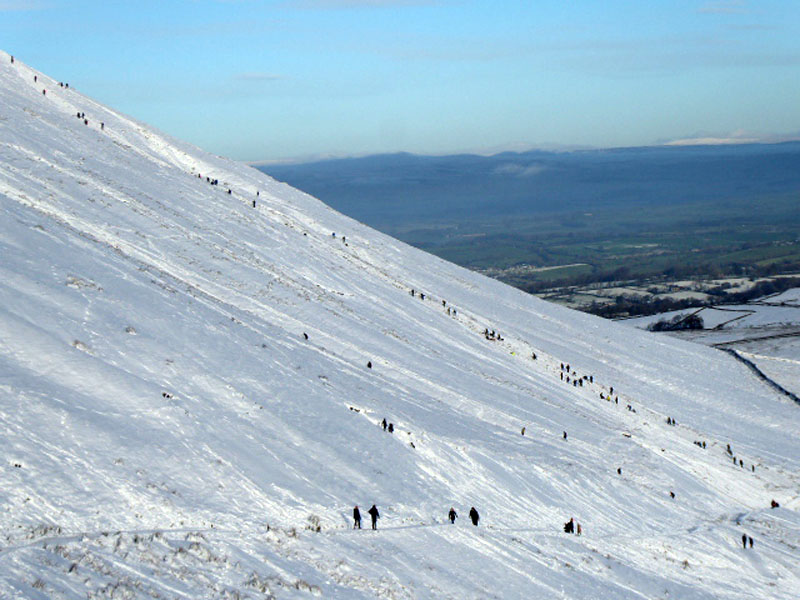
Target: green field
746,237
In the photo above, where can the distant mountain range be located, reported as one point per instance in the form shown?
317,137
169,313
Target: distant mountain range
395,191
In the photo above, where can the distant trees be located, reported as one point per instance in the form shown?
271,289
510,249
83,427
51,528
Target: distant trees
678,323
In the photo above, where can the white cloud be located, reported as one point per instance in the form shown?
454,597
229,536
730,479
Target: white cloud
518,170
735,137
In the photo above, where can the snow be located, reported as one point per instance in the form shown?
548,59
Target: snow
735,316
170,433
788,297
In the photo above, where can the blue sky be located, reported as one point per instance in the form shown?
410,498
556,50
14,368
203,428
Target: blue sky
301,78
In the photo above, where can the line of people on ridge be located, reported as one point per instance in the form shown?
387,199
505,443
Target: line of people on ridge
375,515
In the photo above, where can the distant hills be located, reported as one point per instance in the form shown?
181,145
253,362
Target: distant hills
587,215
395,191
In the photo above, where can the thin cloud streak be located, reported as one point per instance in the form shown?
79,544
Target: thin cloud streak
725,7
257,77
22,6
349,4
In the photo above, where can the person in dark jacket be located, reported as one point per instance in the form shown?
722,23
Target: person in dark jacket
474,516
452,515
356,518
744,541
373,512
569,526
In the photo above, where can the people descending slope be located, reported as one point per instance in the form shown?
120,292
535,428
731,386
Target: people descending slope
474,516
356,518
373,512
452,515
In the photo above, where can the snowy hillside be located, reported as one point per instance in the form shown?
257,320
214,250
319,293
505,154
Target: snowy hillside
169,432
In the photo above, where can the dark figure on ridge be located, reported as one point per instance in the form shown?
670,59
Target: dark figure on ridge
373,512
452,515
474,516
356,518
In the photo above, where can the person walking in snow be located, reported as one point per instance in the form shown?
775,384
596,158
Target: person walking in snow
452,515
384,424
569,526
356,518
744,541
373,512
474,516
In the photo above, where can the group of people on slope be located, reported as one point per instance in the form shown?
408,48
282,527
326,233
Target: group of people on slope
375,515
373,512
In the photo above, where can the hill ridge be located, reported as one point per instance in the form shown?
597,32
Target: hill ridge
178,436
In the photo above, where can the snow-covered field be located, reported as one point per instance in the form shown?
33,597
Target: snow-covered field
766,332
735,316
787,297
169,432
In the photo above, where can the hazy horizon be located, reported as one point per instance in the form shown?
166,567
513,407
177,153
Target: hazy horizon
292,79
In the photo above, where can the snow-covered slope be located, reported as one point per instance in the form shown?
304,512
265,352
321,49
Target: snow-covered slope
169,432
